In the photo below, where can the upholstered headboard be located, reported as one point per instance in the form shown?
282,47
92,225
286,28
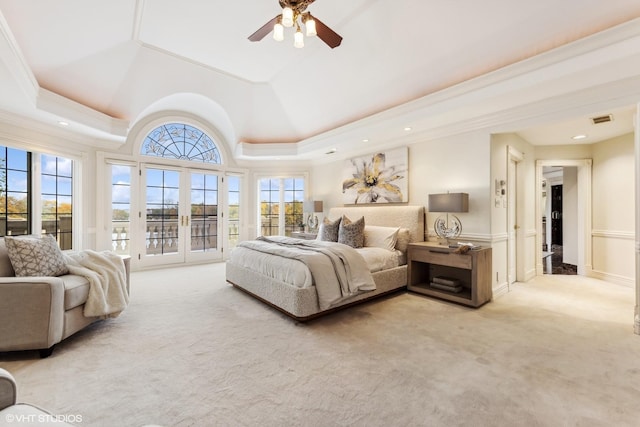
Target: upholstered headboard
410,217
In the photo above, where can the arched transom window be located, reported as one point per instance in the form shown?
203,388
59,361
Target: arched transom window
181,141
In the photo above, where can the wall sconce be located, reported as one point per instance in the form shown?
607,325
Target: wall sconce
448,226
313,207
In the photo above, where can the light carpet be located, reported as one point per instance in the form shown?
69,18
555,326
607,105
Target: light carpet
191,350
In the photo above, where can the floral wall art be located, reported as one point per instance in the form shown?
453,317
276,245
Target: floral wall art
377,178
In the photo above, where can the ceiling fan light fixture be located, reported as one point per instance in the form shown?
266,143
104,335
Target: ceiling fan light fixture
287,17
310,25
293,15
278,32
298,39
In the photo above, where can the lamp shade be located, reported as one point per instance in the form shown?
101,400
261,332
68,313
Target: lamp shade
313,206
449,202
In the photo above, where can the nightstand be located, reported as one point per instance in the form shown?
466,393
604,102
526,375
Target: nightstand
304,235
435,268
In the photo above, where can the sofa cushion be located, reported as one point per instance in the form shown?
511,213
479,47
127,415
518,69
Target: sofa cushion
6,269
76,290
35,256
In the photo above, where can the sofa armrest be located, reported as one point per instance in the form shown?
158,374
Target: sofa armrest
7,389
31,312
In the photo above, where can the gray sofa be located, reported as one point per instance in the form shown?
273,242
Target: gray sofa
36,313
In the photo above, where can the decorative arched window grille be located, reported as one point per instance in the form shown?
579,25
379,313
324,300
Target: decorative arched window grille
181,141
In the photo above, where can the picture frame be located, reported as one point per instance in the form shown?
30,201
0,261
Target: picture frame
380,177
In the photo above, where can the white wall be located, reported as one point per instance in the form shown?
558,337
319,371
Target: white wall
613,204
467,163
614,210
458,164
525,213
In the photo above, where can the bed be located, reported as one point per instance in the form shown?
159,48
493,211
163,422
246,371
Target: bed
289,285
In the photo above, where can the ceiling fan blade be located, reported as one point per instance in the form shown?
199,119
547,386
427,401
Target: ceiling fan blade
327,35
264,30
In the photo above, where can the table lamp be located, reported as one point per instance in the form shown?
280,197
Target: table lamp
448,226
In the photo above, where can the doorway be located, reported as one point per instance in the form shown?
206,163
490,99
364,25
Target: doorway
563,196
181,222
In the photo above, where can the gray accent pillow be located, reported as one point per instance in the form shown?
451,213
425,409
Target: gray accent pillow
328,231
35,256
351,232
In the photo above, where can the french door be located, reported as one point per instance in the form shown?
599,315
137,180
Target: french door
179,220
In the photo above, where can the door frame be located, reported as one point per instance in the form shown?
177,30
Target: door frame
584,225
514,230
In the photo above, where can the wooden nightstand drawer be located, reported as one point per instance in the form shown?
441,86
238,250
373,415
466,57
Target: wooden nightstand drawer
450,259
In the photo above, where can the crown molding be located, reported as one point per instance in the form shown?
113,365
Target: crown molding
15,62
58,105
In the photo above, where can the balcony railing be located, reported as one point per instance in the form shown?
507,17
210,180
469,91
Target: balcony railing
60,229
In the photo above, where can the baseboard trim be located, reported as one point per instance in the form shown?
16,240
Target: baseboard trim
628,282
500,290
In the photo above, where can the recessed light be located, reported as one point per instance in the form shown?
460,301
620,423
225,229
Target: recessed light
578,137
63,123
408,128
365,140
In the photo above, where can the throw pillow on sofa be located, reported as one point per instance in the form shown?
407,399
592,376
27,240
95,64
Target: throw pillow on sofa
33,256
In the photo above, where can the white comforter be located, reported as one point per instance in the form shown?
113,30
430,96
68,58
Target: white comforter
105,271
337,270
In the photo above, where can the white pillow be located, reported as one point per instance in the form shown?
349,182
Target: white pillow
381,237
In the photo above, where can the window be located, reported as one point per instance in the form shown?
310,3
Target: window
281,206
121,208
55,210
56,196
204,212
233,220
162,201
15,187
181,141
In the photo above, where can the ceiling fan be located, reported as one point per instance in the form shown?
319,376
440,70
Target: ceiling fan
294,15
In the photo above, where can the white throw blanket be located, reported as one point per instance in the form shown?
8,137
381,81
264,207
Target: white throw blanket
105,271
338,270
